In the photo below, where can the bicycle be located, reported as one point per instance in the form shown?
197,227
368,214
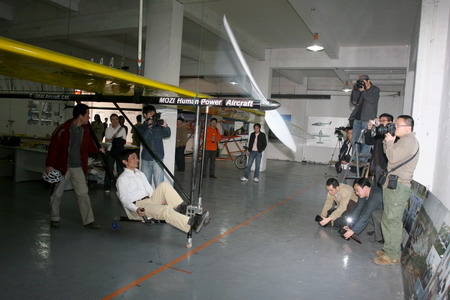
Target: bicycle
240,161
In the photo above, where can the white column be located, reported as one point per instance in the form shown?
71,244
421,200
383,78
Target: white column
431,99
162,59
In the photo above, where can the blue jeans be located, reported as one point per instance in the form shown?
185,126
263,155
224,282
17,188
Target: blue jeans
153,171
359,125
254,155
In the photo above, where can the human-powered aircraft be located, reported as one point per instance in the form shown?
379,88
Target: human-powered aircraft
32,63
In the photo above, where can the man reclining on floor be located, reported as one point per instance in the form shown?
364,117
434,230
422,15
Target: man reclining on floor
164,203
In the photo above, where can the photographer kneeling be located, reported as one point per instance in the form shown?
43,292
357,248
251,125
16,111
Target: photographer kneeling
340,202
370,199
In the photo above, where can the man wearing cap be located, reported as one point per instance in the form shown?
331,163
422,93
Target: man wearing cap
365,98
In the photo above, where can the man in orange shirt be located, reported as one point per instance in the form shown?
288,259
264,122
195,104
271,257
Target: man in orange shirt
213,138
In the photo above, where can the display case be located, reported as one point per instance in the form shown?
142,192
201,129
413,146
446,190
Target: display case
44,113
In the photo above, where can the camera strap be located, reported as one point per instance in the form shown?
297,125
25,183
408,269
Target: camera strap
405,162
117,132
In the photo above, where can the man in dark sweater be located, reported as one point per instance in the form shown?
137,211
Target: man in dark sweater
256,145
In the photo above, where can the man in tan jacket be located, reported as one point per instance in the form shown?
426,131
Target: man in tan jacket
404,154
341,198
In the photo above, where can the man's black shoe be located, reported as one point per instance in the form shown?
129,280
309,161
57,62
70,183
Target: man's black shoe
54,224
370,233
182,208
198,221
93,225
212,176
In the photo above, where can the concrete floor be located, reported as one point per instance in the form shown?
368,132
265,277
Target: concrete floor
262,243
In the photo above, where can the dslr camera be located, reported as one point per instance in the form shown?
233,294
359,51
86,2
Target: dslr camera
360,84
156,120
319,219
381,130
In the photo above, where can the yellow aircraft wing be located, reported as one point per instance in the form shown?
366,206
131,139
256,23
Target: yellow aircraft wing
37,64
32,63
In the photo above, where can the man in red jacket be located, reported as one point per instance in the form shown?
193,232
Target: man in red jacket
68,153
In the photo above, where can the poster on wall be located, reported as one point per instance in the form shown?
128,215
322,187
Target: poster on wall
426,253
323,130
438,286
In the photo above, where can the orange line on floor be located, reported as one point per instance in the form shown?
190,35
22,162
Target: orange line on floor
177,260
173,268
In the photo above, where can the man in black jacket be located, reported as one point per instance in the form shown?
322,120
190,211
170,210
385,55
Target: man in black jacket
256,146
378,162
365,98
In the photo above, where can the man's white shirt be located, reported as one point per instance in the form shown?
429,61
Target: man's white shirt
133,186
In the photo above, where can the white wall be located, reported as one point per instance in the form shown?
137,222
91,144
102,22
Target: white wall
431,107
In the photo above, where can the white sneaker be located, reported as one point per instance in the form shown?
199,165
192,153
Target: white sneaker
244,179
256,179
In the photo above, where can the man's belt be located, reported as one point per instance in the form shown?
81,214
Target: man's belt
146,197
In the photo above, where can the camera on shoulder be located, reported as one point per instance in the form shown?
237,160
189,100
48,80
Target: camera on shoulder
156,120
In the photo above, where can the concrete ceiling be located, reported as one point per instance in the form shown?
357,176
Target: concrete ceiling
108,28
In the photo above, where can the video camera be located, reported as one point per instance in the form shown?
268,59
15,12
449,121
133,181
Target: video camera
381,130
339,131
156,120
360,84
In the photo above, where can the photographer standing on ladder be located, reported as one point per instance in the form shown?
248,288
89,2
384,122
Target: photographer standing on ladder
365,97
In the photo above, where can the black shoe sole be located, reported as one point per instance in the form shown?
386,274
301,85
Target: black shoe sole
204,220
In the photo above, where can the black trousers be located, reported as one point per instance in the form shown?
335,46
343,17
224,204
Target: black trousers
210,156
179,158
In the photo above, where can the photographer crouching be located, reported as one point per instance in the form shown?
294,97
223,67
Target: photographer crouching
370,199
340,202
402,156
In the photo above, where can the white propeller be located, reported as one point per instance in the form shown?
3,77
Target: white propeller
272,117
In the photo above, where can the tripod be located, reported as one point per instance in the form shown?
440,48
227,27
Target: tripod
337,147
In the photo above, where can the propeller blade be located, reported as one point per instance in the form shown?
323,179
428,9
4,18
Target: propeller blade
239,54
272,117
279,128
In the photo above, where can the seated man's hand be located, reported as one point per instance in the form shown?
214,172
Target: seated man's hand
346,227
140,212
349,233
325,221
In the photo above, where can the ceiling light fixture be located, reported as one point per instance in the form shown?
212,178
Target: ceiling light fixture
316,46
233,82
347,88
